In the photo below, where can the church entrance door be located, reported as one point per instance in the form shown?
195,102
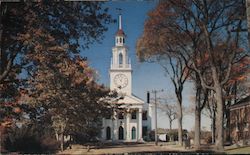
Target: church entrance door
121,133
133,133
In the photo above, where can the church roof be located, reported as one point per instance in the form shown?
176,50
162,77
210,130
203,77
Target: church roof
120,33
138,97
131,99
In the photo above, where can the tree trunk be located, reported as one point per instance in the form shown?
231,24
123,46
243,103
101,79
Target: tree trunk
171,137
213,126
197,126
219,120
57,136
62,141
180,124
170,125
227,113
62,138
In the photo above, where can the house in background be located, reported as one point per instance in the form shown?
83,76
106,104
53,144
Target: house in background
240,121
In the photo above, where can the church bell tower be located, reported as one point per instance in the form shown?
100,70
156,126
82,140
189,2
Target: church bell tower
120,68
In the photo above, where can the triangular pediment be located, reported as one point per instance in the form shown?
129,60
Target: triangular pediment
131,99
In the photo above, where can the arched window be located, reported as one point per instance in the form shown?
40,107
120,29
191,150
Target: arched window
123,40
120,58
121,133
117,40
133,133
120,40
108,133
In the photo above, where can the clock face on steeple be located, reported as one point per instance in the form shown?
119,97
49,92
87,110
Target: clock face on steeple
120,80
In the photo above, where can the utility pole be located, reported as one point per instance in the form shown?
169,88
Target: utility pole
155,95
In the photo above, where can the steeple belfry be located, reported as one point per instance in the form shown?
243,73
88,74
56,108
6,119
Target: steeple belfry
120,35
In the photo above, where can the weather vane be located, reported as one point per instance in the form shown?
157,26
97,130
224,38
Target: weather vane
119,10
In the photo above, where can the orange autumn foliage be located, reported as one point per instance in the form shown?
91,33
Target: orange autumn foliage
17,110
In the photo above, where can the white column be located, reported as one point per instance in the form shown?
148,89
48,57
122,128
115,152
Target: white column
114,126
140,125
128,116
103,130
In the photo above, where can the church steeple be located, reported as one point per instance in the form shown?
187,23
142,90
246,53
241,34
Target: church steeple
120,68
120,35
120,55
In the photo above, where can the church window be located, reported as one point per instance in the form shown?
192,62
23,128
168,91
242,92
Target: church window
120,58
108,116
144,115
117,40
120,40
133,133
123,40
120,115
108,133
133,115
121,133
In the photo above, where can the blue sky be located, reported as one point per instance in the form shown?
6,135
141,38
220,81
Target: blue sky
146,76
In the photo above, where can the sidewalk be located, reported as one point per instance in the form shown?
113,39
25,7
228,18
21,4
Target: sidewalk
123,149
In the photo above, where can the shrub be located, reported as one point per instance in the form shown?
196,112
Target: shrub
146,138
49,145
208,139
28,139
152,135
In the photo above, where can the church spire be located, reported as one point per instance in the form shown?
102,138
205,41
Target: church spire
120,21
120,35
120,31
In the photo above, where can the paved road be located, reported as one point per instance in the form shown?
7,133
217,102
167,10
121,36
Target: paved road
123,149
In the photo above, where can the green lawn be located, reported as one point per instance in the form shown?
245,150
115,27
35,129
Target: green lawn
243,150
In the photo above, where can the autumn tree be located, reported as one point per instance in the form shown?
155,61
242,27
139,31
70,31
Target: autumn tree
28,30
66,88
175,69
149,48
201,100
66,23
171,112
196,30
235,89
210,111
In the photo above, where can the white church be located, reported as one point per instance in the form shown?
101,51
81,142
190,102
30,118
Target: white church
135,123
